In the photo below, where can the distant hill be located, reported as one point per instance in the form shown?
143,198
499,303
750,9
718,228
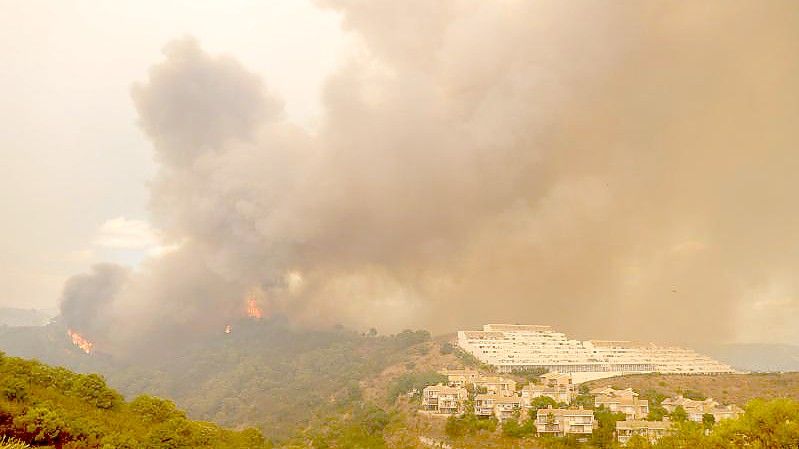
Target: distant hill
11,316
757,357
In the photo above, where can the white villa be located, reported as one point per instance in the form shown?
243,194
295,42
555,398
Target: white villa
697,409
621,401
651,430
561,422
557,386
503,407
496,385
461,377
443,399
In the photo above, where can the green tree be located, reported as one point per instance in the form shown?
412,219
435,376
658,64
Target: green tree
679,414
638,442
41,425
414,381
766,424
154,410
694,395
541,402
93,389
708,420
513,429
14,389
603,435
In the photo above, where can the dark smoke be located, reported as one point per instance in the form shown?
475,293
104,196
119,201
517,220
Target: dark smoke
614,169
88,298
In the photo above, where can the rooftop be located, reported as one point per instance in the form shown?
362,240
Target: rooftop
640,424
542,412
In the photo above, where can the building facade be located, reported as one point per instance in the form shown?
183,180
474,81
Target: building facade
622,401
696,410
651,430
461,377
556,386
511,347
561,422
443,399
496,385
497,405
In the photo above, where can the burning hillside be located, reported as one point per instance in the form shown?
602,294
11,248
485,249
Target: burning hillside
253,310
81,342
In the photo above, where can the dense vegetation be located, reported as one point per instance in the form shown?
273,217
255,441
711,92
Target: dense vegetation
767,424
331,388
264,374
53,407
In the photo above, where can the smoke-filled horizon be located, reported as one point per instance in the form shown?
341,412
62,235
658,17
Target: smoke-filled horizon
616,170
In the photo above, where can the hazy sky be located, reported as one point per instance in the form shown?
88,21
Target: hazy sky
74,165
620,169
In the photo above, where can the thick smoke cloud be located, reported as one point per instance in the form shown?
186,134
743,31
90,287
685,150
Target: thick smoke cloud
616,170
88,298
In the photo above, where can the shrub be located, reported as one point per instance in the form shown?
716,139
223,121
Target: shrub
410,381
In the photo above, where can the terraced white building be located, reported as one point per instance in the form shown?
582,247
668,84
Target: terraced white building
511,347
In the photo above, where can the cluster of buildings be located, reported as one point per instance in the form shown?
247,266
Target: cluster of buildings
512,347
494,395
635,412
696,410
499,397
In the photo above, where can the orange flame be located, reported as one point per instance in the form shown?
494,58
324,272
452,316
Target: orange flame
81,342
228,329
253,311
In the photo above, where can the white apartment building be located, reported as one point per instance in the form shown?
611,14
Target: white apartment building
561,422
513,346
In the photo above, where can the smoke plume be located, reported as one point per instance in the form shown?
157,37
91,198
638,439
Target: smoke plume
620,170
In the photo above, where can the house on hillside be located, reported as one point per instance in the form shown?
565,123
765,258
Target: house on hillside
496,385
502,407
557,386
722,412
561,422
697,409
651,430
622,401
443,399
610,391
461,377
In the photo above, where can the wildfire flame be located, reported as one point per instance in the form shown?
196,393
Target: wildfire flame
81,342
228,329
253,311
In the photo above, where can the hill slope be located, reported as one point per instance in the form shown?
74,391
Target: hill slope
48,406
726,388
12,316
264,373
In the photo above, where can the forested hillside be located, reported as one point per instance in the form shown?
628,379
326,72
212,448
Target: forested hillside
263,373
53,407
